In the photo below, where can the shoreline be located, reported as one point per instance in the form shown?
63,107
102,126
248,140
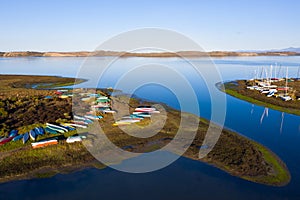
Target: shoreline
223,148
153,54
232,89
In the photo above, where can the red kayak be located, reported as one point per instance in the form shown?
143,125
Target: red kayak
6,140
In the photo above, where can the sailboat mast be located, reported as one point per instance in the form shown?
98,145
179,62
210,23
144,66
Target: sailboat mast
286,80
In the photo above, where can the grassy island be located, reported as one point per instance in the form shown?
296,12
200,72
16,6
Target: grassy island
23,108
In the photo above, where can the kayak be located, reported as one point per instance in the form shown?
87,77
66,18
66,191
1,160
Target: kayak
13,133
18,137
48,130
73,139
75,125
68,127
44,143
39,130
57,127
32,135
6,140
25,137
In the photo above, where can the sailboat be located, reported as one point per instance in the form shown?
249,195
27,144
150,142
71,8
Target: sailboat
286,97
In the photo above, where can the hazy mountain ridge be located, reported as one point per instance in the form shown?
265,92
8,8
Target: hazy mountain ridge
284,52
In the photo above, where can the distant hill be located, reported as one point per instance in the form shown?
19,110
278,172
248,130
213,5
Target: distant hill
290,49
285,52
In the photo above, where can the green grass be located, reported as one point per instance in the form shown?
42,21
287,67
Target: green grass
261,103
280,176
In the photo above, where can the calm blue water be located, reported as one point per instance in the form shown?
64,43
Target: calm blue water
184,178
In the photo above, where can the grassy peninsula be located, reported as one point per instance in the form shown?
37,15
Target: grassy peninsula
239,90
23,108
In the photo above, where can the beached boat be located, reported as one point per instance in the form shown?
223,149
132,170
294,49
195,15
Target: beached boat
76,138
18,137
6,140
32,135
53,126
25,137
286,98
93,117
142,114
75,125
79,122
51,131
39,130
127,121
132,116
121,124
55,129
44,143
70,128
13,133
108,111
102,97
83,119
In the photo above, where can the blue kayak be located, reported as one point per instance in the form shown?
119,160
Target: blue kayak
18,137
32,135
25,137
42,131
39,131
68,127
13,133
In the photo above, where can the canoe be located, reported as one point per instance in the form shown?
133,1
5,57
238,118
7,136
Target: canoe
57,127
6,140
93,117
18,137
68,127
13,133
44,143
25,137
121,124
79,122
2,138
75,125
51,131
83,119
42,131
142,114
108,111
32,135
73,139
39,130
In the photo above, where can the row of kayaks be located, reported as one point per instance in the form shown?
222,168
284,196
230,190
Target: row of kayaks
14,136
34,133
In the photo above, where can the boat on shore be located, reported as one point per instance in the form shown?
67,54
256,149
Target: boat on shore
57,127
51,131
32,135
75,125
13,133
6,140
76,138
25,137
18,137
44,143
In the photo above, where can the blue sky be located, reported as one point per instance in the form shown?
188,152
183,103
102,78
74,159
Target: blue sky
83,25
